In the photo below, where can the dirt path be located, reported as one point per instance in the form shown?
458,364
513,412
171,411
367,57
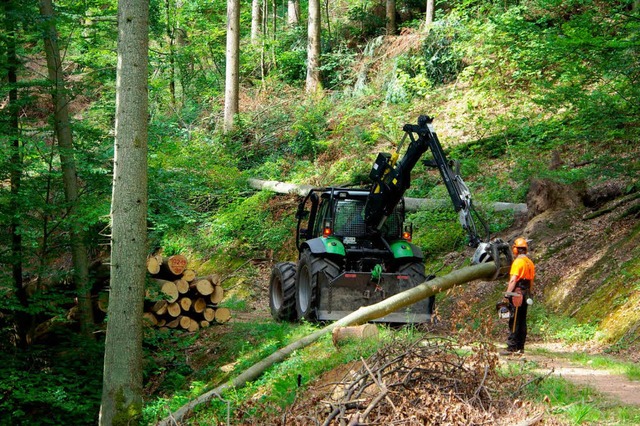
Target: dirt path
614,386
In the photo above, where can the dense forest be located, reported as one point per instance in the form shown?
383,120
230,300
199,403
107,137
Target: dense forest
537,99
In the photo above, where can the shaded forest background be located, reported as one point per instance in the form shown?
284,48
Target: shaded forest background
522,91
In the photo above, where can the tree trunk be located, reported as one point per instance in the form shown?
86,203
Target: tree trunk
428,16
172,55
391,17
293,13
361,316
411,204
231,95
256,20
24,321
122,383
62,122
313,48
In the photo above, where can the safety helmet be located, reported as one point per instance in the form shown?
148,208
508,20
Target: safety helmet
519,243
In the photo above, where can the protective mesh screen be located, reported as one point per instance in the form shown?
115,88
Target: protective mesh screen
349,220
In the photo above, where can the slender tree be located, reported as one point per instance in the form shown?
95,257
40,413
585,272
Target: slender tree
231,91
10,117
64,136
313,48
171,32
293,13
256,20
122,386
391,17
428,17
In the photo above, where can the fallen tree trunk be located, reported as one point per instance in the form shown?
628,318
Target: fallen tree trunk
410,204
361,316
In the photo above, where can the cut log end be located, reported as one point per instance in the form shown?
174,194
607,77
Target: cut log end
222,315
342,335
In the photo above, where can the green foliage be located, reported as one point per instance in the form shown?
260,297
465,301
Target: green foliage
52,385
437,232
291,55
246,226
337,68
363,23
442,61
552,326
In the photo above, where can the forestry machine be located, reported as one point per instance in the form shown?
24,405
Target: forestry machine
354,248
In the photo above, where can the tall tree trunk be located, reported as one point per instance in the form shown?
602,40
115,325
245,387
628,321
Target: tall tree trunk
313,48
428,17
122,383
23,320
172,53
62,124
256,20
391,17
293,13
231,89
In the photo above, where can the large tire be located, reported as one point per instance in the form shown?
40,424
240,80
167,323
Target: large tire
311,269
415,271
282,291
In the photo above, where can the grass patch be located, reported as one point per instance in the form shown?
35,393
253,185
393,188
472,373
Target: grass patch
580,405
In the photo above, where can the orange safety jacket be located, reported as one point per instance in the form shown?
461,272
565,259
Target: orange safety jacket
524,270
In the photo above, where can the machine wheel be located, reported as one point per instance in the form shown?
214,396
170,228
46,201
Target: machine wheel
282,291
311,268
415,271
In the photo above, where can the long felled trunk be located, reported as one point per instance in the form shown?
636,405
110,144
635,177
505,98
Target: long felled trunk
67,162
361,316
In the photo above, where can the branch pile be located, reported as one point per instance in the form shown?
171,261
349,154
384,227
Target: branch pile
427,382
177,298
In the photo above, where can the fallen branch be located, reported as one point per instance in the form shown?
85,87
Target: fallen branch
361,316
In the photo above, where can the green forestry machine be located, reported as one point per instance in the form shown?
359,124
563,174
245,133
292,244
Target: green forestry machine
354,248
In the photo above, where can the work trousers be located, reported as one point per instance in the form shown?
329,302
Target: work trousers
518,327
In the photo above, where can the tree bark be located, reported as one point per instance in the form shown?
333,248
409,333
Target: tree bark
293,13
428,16
361,316
256,20
172,54
231,95
62,124
313,48
391,17
24,321
122,383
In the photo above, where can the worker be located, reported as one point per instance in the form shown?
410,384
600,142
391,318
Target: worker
518,291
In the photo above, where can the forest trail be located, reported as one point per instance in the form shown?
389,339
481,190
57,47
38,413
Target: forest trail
553,360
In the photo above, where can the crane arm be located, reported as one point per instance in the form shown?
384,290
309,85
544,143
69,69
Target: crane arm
392,177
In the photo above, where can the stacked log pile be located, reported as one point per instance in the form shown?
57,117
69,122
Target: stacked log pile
177,298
